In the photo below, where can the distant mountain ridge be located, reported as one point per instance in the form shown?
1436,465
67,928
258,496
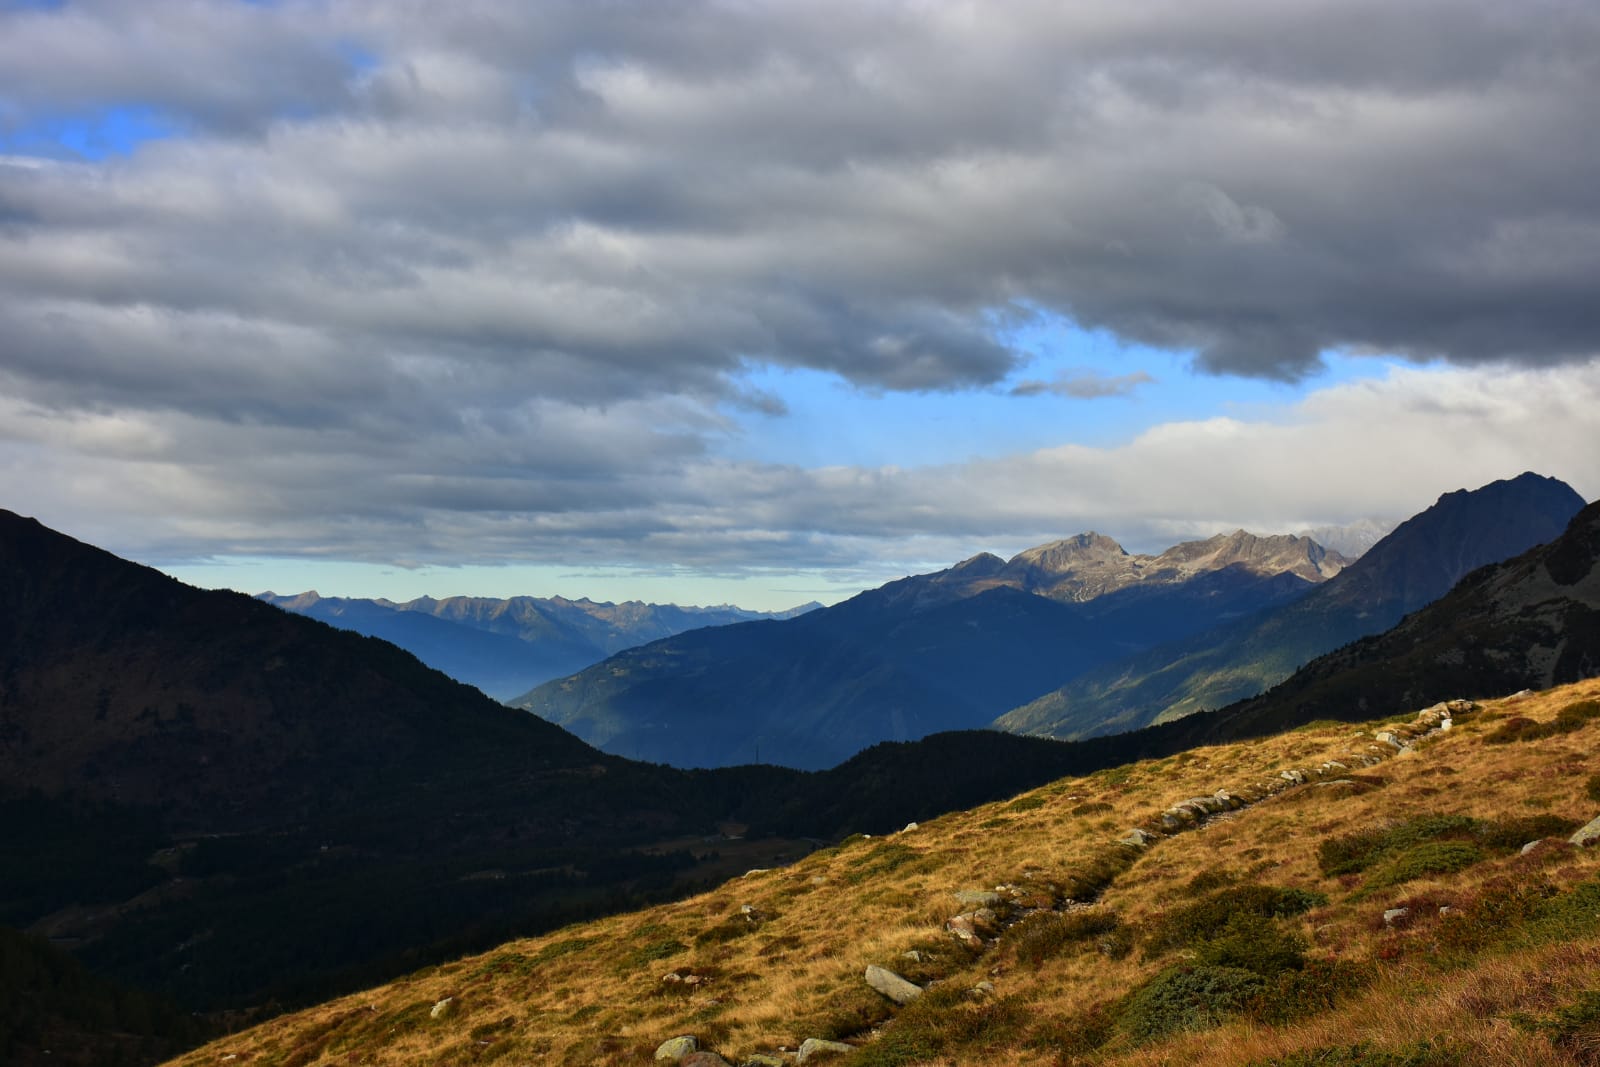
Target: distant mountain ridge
507,646
1412,566
927,653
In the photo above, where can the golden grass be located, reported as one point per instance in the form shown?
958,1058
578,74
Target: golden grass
610,991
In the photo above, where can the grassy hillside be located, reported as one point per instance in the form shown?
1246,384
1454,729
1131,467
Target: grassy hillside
1260,923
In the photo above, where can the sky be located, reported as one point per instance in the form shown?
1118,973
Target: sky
761,302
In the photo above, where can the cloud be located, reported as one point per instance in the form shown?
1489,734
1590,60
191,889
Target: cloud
1084,385
612,487
489,275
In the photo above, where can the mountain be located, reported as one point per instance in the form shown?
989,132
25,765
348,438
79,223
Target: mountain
1528,623
506,647
1415,564
929,653
1308,899
223,802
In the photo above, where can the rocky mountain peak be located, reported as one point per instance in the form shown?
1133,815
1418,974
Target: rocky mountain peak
1069,552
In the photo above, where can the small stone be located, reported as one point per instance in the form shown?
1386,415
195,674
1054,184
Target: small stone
1395,914
914,955
756,870
910,826
443,1008
965,928
819,879
1388,737
984,988
703,1058
1136,838
977,898
1445,909
892,985
813,1047
764,1059
1529,847
675,1049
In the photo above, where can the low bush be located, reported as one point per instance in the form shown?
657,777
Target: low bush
1254,943
1204,919
1573,717
1432,857
1354,853
1048,934
1317,986
1187,997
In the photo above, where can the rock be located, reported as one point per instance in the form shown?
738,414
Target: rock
1395,914
1388,737
443,1008
892,985
1529,847
984,988
756,870
764,1059
1588,835
1294,777
910,826
703,1059
814,1047
676,1049
961,926
1136,838
819,879
977,898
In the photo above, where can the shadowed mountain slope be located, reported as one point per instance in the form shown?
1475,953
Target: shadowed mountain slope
1414,565
944,651
1528,623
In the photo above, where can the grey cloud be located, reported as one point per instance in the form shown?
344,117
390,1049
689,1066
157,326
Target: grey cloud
1084,385
519,264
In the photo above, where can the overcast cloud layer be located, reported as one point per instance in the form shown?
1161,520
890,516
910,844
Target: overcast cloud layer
420,281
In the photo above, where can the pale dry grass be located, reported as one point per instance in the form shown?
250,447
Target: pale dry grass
594,993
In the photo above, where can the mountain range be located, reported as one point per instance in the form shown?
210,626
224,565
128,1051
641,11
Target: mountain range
1068,639
1415,564
507,646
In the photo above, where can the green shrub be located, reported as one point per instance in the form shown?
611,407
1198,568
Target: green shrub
1353,853
1203,919
1026,804
1048,934
1097,807
1089,880
1187,997
1573,717
1512,833
1591,788
946,1022
1317,986
1432,857
1254,943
